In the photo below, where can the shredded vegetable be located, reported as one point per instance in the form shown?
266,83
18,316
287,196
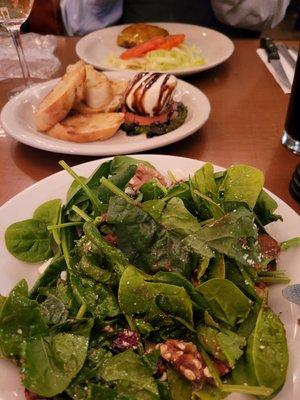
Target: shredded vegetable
161,60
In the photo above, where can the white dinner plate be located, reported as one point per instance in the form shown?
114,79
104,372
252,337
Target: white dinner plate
215,47
11,270
17,120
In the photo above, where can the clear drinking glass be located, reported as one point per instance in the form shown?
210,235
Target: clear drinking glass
13,13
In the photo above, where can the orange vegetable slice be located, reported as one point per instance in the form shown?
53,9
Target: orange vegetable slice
141,49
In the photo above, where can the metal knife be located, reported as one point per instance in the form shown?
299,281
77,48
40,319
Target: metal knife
292,293
286,54
274,59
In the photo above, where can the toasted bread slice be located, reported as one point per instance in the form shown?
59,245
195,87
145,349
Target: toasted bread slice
113,106
87,128
57,104
98,91
77,74
118,86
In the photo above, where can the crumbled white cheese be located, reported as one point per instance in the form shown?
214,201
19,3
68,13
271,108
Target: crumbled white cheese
63,275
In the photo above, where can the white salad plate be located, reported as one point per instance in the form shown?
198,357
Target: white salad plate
17,119
22,206
215,47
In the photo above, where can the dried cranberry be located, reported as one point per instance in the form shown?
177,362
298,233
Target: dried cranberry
221,367
111,239
126,340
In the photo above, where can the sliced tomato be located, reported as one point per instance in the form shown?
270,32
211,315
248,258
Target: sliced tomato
146,119
171,41
143,48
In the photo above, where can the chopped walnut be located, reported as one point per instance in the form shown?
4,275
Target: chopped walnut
185,358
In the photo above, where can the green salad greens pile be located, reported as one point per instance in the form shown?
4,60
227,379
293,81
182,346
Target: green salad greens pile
153,289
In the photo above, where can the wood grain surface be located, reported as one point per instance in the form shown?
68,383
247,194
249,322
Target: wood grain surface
245,126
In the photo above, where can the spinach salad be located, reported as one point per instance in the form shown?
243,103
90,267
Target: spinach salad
152,288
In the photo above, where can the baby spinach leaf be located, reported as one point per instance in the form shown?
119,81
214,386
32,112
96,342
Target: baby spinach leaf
50,275
74,187
182,191
163,390
91,371
93,182
29,240
265,208
2,301
147,244
51,362
98,298
173,278
48,212
20,319
152,190
137,296
233,235
178,219
217,267
100,392
197,246
290,243
209,392
89,266
180,388
267,352
239,275
242,183
204,192
240,374
154,208
223,344
117,260
132,377
54,311
247,326
120,179
204,180
225,300
123,162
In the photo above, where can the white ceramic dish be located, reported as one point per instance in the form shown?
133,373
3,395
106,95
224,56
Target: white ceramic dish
11,270
215,47
17,120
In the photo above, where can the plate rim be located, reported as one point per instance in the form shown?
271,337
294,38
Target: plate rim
80,46
63,148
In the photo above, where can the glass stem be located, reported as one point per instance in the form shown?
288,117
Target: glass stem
16,37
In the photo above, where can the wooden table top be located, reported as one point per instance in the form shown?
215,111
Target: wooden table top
245,126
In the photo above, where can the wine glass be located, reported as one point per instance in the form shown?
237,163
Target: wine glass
13,13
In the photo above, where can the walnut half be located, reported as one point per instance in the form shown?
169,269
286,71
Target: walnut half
185,358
